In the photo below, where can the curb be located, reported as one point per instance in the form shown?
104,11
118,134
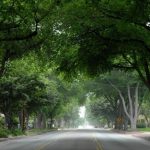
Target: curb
23,136
141,135
12,138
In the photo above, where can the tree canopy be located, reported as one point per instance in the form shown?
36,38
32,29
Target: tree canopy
106,39
104,35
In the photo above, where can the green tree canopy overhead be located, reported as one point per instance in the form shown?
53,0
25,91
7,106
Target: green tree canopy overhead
24,26
103,35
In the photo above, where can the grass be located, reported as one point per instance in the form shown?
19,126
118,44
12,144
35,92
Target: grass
38,131
4,133
144,129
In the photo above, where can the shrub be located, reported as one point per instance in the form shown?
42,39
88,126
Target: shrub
16,132
141,125
4,133
2,122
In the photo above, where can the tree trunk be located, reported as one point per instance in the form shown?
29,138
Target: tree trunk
23,127
43,123
3,62
39,121
27,120
133,105
35,122
133,124
51,121
20,118
8,121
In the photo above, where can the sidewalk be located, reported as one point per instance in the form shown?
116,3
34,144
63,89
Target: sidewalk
143,135
138,134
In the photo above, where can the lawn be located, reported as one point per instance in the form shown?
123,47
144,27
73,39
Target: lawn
144,129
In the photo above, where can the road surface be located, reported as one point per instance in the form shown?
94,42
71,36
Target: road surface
77,140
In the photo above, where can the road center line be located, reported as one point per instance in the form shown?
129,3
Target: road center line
42,146
98,144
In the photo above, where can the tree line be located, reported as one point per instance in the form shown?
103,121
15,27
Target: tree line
74,38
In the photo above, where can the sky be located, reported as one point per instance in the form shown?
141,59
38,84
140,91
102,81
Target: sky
82,112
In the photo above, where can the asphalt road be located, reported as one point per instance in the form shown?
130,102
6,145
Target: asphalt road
77,140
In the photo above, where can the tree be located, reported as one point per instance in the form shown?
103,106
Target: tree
69,116
131,100
117,98
24,26
106,103
145,109
101,108
133,106
105,35
17,95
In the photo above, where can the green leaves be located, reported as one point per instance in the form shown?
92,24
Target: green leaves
19,91
99,36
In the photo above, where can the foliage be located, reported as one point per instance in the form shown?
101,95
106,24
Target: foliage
144,129
104,35
18,91
16,132
4,133
70,114
100,107
141,125
81,36
21,33
104,99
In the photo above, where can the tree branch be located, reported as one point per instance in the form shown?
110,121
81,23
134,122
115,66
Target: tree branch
116,17
122,67
130,101
146,68
136,102
125,40
4,26
122,98
20,37
139,71
3,62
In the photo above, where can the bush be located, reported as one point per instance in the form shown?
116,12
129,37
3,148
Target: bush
2,122
16,132
4,133
141,125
